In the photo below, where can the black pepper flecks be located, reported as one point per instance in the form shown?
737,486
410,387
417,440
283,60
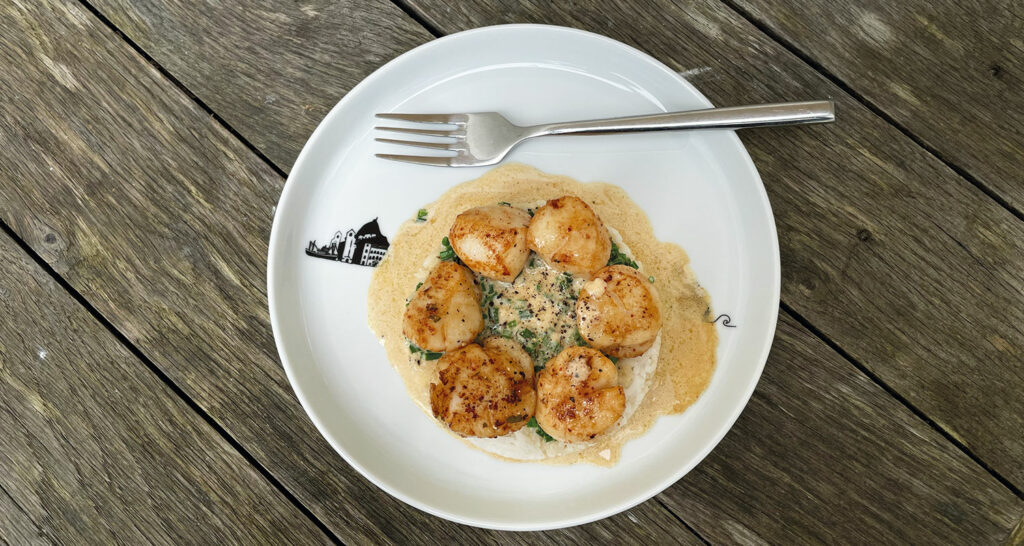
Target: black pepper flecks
538,309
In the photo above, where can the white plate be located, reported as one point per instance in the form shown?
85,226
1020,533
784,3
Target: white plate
700,190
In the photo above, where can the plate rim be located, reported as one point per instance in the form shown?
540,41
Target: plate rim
275,243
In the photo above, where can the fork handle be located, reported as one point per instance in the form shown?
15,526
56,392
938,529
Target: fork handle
735,117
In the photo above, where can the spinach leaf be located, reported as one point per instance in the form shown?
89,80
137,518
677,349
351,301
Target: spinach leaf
618,258
540,432
427,355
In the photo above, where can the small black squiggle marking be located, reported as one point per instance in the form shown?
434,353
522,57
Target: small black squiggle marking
726,321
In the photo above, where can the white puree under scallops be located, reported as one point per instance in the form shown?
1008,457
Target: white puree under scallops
666,379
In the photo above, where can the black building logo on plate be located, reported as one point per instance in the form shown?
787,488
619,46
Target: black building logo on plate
364,247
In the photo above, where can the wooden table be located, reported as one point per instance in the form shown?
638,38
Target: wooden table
143,146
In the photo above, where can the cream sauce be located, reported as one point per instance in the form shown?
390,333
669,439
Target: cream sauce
537,309
671,379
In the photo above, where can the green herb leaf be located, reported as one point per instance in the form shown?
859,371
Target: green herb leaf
447,252
421,216
418,285
613,359
533,350
651,278
515,419
532,423
427,355
618,258
505,203
527,333
565,283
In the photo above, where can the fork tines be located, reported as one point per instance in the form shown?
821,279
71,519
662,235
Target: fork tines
449,127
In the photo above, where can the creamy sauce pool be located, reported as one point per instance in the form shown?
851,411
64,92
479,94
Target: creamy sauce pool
685,359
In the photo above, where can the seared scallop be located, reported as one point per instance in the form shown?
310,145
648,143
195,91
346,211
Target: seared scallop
617,312
569,236
444,313
492,240
486,391
578,395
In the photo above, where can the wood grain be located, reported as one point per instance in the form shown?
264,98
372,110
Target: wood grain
892,255
950,72
160,218
289,62
170,247
908,267
96,447
15,525
1016,537
839,461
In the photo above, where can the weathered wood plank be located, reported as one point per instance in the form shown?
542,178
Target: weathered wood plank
186,284
1016,537
160,218
839,461
96,447
15,525
950,72
887,251
907,266
324,47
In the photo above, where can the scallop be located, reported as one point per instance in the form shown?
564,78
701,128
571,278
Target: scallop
444,314
569,236
492,240
484,391
617,312
578,395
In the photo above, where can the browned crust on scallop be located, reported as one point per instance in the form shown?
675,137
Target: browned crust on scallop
584,412
616,319
494,393
502,231
426,316
583,228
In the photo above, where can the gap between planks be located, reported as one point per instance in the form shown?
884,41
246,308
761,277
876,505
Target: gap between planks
188,92
895,394
874,108
137,353
818,67
419,19
679,518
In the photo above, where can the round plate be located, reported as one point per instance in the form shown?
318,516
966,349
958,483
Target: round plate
699,189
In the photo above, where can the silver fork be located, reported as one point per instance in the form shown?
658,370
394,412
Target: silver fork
486,138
